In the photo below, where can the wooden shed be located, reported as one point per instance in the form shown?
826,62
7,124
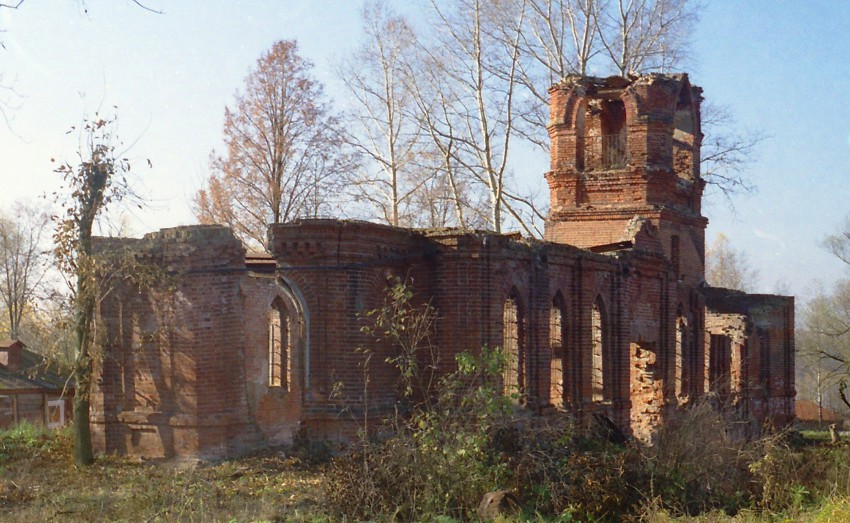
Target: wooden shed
31,389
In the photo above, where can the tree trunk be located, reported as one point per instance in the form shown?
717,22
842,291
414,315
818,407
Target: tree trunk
820,398
84,304
83,454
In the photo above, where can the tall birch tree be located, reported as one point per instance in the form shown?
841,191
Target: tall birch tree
383,128
22,261
640,36
481,78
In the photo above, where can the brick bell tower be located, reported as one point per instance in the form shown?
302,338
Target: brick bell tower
625,161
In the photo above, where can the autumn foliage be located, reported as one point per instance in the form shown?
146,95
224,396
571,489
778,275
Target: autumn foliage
281,158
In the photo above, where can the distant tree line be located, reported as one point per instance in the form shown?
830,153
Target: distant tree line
823,335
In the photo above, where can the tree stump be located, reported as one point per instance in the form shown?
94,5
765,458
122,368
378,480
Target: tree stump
496,503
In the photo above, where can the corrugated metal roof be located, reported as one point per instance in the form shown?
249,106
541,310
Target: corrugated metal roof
808,411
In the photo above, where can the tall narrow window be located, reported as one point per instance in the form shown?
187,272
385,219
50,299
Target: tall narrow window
720,354
614,154
557,346
597,337
674,257
280,345
764,359
679,379
684,128
512,345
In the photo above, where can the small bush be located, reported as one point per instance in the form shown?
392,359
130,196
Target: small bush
309,450
694,465
31,441
558,472
440,460
793,476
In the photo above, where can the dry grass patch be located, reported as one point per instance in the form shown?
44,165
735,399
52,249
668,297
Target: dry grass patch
38,482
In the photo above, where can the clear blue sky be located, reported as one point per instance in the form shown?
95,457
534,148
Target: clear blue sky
779,66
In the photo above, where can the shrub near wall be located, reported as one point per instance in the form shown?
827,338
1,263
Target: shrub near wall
465,438
438,461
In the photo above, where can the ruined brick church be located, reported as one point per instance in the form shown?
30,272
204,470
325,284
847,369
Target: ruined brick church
608,314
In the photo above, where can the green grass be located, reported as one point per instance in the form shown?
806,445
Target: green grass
819,436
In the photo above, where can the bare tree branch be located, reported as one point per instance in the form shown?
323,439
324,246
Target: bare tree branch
383,127
726,152
146,8
839,243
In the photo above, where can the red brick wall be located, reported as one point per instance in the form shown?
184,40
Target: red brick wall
185,372
172,381
761,329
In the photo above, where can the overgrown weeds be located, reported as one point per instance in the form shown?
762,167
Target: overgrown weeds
558,474
472,439
795,477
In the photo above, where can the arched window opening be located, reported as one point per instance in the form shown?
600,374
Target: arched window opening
683,120
599,342
558,348
580,132
685,152
605,139
280,345
513,378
